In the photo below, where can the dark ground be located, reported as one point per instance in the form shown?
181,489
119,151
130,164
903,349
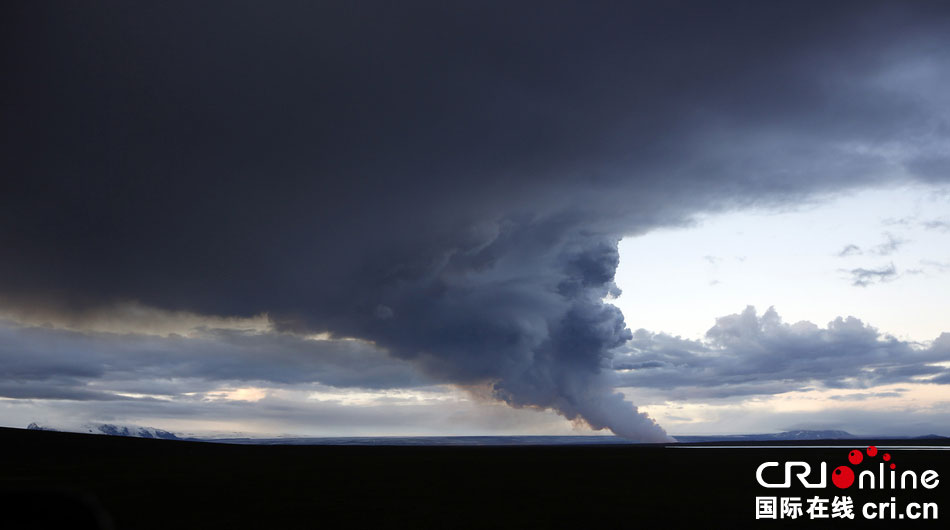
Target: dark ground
64,480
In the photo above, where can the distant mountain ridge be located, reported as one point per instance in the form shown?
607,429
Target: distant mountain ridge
800,434
131,431
135,431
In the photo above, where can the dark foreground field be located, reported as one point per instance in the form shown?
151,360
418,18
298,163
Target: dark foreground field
63,480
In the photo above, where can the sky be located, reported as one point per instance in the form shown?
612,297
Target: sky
808,264
880,254
332,219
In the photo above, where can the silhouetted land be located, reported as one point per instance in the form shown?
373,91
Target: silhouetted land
65,480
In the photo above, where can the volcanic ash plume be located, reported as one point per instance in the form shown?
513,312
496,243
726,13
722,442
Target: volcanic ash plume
522,309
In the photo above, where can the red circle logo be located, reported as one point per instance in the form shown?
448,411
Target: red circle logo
843,477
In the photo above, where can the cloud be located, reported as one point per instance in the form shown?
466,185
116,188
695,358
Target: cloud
434,412
899,221
861,277
47,363
940,266
890,246
746,354
850,250
448,183
864,396
937,224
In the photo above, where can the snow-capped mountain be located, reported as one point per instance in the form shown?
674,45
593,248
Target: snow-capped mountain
133,431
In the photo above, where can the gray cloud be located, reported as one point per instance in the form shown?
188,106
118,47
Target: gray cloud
850,250
890,246
747,354
274,415
59,389
900,221
861,277
46,363
937,224
864,396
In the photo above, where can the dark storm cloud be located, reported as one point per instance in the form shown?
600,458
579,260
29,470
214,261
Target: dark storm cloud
448,181
47,363
56,389
747,354
862,277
